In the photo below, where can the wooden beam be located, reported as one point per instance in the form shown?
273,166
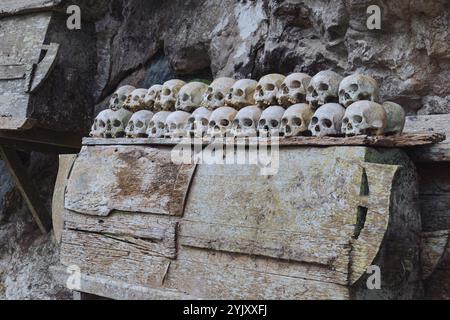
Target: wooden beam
27,189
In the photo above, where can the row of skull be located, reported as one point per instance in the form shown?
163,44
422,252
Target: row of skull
273,89
332,119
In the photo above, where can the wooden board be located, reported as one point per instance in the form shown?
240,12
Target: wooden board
10,7
141,180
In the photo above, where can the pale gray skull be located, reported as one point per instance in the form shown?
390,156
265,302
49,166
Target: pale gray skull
242,94
99,127
190,96
215,96
169,94
245,123
119,97
396,118
157,126
364,118
323,88
269,124
358,87
198,122
138,124
293,89
220,121
152,98
136,100
327,121
267,89
176,124
116,123
296,120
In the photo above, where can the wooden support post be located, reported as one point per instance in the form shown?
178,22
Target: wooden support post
26,188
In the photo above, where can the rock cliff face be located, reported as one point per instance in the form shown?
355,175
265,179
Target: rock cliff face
143,42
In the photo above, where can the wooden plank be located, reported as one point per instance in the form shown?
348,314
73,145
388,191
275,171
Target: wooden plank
12,72
11,7
34,203
16,124
138,179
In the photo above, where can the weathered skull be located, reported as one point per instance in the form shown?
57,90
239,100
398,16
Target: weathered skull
323,88
220,121
152,97
246,122
169,94
138,124
136,100
358,87
364,118
99,126
293,89
242,94
157,126
327,121
296,120
269,124
176,124
396,118
215,95
267,89
190,96
119,97
198,122
116,123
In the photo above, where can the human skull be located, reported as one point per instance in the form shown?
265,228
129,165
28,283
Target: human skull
198,122
136,100
99,126
293,89
176,124
245,123
138,124
152,97
364,118
116,123
216,93
396,118
323,88
220,122
119,97
327,121
190,96
296,120
269,124
242,94
157,126
169,94
358,87
267,89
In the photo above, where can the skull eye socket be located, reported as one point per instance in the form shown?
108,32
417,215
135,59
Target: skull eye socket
191,120
166,92
185,97
262,122
310,89
224,123
152,93
296,121
239,93
180,126
342,93
314,121
295,84
161,125
219,96
364,96
345,120
236,122
212,123
247,122
210,90
258,88
101,124
139,124
274,123
117,123
357,119
354,87
270,87
136,98
323,87
327,123
284,121
209,97
151,124
204,122
172,126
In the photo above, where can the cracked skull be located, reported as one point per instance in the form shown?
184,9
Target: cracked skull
198,122
152,97
116,123
267,89
169,94
190,96
293,89
358,87
323,88
119,97
364,118
136,100
242,94
221,121
157,126
138,124
176,124
246,122
296,120
216,93
99,127
327,121
396,118
269,124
